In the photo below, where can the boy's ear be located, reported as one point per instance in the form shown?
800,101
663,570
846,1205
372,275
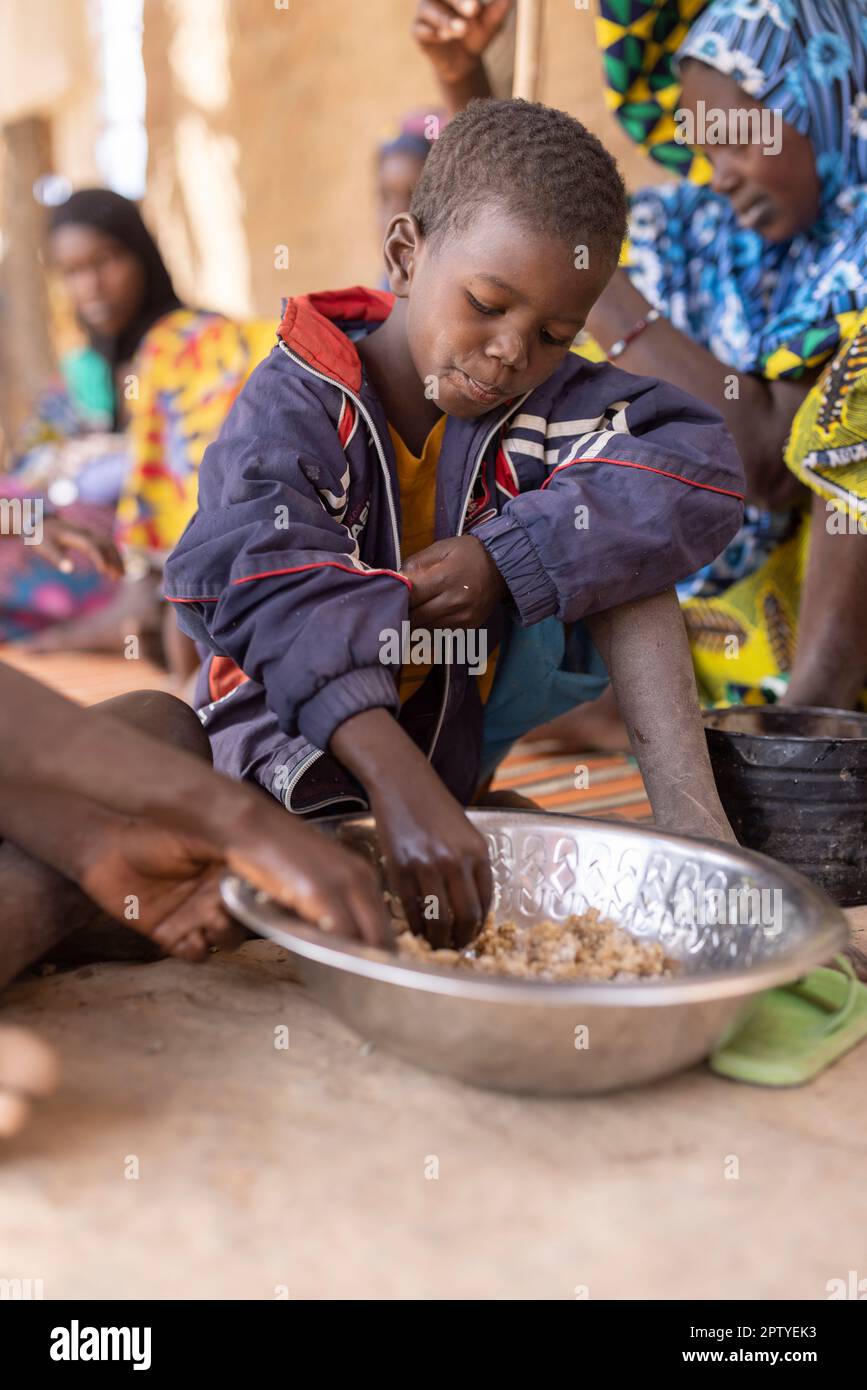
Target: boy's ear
400,248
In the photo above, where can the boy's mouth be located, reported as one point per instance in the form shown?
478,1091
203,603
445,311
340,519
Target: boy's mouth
477,390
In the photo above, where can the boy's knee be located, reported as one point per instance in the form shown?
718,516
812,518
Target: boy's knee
163,716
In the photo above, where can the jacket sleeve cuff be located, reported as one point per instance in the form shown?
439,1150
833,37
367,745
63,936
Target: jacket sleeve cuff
370,687
512,551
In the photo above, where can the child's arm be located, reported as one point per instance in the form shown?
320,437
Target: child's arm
268,573
645,647
118,805
437,861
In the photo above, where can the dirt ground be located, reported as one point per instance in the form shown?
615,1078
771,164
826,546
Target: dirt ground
301,1173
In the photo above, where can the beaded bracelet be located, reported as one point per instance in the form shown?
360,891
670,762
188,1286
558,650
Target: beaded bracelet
618,348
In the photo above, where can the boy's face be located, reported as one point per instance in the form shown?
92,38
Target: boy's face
491,310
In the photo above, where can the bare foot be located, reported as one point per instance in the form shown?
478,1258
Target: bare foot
28,1070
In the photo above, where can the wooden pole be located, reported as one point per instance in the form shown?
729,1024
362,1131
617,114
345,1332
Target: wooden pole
528,45
26,357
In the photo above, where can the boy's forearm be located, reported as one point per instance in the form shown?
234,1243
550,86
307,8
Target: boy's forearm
645,647
375,749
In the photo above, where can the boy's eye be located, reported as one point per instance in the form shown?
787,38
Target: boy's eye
482,308
555,342
546,336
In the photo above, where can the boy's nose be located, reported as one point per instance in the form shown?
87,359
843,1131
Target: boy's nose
508,348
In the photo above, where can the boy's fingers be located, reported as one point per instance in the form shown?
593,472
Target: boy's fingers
435,908
435,610
484,876
467,904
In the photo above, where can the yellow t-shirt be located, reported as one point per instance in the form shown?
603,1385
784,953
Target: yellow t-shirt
417,481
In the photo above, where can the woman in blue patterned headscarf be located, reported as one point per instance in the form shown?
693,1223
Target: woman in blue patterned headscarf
764,302
758,264
756,267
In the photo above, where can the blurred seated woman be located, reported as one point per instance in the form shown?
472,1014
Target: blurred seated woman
116,445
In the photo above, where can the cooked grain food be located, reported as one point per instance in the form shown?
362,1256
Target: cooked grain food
586,947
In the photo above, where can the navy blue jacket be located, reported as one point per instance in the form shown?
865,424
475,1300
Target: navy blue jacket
289,571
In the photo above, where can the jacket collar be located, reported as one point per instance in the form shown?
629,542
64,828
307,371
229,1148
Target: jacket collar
311,328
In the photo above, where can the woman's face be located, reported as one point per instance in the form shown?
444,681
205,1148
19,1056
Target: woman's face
775,193
106,281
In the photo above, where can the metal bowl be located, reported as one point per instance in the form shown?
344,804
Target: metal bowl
593,1036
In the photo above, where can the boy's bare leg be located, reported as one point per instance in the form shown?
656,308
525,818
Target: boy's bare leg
645,647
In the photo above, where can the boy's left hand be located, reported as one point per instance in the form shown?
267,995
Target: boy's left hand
455,583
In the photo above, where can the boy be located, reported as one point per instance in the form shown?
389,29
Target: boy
441,454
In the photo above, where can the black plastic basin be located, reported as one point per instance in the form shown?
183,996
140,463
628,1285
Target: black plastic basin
793,782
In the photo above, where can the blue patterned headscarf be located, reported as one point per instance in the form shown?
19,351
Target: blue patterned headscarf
774,309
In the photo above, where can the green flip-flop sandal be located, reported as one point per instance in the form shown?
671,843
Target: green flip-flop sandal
797,1031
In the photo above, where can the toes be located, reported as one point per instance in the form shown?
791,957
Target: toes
28,1068
27,1064
14,1111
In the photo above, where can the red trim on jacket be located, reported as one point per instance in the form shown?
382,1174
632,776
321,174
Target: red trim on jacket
346,423
308,329
646,468
321,564
224,676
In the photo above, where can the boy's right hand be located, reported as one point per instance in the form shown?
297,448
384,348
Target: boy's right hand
454,34
436,861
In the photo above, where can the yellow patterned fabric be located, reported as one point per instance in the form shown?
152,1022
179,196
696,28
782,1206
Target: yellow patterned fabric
827,447
743,643
638,40
187,373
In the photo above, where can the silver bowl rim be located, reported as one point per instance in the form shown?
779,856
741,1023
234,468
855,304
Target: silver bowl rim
275,923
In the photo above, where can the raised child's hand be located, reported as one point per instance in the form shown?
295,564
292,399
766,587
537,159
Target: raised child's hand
454,34
455,583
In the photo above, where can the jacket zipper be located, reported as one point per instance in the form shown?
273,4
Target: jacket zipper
395,541
395,531
480,456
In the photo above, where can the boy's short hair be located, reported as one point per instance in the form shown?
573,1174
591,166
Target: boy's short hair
537,162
